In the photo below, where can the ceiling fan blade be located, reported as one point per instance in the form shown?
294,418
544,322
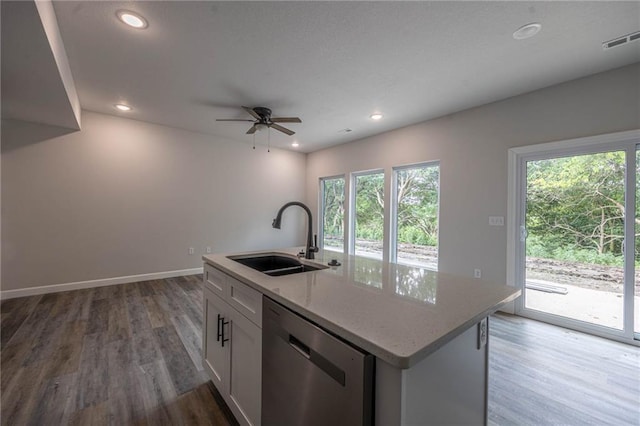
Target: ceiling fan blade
252,112
252,130
282,129
286,120
233,119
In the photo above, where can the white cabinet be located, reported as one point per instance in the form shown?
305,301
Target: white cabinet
215,280
215,356
232,343
245,372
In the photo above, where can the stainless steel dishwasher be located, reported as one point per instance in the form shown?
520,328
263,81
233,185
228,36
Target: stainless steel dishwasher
310,377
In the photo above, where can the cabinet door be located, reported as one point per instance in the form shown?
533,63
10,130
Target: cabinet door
215,357
245,381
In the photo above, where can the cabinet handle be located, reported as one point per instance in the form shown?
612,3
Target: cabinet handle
219,334
222,333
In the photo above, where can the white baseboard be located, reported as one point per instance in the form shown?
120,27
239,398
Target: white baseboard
56,288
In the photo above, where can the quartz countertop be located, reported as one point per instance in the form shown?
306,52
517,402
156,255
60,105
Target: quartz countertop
398,313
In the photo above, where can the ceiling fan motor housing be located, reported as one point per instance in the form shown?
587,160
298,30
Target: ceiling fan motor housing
264,113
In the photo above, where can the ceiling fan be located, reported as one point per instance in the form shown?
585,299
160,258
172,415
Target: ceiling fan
263,119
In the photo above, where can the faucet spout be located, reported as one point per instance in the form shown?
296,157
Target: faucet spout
310,249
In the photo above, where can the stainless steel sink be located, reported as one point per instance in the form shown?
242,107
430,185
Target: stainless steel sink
275,264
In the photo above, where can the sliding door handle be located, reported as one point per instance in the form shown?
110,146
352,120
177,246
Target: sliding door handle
523,233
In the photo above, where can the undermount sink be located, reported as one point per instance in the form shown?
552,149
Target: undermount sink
274,264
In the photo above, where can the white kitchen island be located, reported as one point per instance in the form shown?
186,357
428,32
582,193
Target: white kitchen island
427,330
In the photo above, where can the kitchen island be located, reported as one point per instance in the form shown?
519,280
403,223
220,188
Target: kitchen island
427,330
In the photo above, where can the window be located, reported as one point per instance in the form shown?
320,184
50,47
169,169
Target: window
332,211
368,218
414,226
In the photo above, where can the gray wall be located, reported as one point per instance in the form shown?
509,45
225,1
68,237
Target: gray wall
123,197
472,148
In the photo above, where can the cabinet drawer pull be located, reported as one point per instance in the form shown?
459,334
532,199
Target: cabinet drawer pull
219,334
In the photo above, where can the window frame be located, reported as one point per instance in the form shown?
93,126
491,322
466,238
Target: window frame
353,208
321,210
393,219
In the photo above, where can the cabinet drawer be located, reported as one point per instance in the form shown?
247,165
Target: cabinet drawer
215,280
246,300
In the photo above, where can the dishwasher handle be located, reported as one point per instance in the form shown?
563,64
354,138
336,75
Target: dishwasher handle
299,346
331,369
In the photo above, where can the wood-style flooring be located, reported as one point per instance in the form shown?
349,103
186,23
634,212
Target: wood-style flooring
130,354
540,374
121,355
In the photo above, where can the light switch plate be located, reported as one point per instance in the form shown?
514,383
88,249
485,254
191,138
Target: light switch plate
496,220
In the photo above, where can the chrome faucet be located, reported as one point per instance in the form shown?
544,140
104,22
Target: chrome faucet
311,247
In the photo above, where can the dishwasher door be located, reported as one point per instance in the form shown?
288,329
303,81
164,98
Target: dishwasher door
309,377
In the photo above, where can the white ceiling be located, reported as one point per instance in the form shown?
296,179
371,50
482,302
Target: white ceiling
330,63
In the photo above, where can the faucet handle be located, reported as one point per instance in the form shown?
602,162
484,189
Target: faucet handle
315,248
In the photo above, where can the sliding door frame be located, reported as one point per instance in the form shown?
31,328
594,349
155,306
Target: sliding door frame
518,157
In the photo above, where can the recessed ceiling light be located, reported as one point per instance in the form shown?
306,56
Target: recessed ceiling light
295,144
132,19
123,107
376,116
527,31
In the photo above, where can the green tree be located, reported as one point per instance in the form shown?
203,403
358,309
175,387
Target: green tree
333,211
576,203
370,206
418,191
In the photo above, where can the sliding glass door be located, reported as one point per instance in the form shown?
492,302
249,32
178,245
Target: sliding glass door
579,248
574,264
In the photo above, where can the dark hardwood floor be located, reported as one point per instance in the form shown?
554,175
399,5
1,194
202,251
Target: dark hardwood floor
130,354
121,355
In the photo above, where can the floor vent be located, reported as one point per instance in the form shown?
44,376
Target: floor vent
621,40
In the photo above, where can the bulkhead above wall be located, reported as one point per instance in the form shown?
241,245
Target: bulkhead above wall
37,85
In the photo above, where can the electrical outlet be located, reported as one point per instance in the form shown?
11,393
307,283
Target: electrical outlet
208,249
477,273
191,250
